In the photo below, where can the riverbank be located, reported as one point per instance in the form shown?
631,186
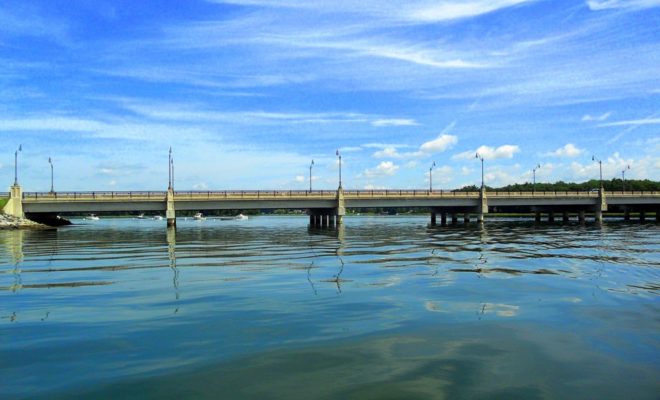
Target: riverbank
11,222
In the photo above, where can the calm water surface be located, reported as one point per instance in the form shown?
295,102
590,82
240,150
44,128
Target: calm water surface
383,308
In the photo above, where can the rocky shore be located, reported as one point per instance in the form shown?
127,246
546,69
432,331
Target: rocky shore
11,222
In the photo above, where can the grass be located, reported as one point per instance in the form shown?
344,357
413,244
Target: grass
3,201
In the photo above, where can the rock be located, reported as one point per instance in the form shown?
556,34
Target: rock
11,222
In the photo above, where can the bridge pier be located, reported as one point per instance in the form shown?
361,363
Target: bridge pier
564,216
170,212
551,216
14,206
466,217
432,218
642,216
657,215
581,216
626,215
598,216
454,218
443,219
537,216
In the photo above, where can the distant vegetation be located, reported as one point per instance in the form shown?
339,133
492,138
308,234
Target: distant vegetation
561,186
3,201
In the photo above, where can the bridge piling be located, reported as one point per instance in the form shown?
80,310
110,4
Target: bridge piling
15,204
581,215
537,216
551,216
642,216
564,216
466,217
454,218
626,215
170,212
443,219
433,218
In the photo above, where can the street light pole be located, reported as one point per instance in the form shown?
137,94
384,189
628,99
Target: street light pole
339,155
310,175
20,148
172,166
51,175
431,177
534,177
623,178
600,165
169,170
482,168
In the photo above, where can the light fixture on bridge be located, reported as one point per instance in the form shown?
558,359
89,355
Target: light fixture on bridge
534,177
431,177
20,148
50,161
482,168
339,155
310,175
600,165
623,178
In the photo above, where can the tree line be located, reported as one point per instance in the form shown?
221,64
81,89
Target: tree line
561,186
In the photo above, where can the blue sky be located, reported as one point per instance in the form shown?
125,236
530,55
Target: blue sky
248,92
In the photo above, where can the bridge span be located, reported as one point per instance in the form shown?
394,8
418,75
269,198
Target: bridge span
327,207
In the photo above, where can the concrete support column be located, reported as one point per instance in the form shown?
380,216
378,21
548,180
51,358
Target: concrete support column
626,215
432,218
480,217
454,218
170,212
598,216
551,216
333,220
642,216
15,204
657,215
466,217
341,208
564,216
443,219
537,216
581,217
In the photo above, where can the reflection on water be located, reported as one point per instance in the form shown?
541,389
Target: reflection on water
378,308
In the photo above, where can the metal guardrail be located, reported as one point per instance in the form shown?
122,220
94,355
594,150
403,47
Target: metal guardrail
270,194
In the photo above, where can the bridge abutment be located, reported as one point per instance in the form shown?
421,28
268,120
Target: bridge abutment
14,206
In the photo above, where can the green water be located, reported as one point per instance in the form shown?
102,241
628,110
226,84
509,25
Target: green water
384,308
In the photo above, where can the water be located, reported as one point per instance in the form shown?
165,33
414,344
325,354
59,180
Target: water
383,308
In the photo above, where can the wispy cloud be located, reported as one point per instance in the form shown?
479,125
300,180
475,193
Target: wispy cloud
598,118
635,122
394,122
598,5
385,168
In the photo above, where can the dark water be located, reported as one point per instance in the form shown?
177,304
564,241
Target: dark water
385,308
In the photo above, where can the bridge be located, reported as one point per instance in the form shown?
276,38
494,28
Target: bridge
328,207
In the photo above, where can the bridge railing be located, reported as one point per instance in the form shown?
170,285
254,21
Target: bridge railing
260,194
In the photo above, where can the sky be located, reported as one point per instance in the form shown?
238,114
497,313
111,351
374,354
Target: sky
248,92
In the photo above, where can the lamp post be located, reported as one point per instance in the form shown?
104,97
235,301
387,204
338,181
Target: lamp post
623,178
51,175
172,169
20,148
534,177
169,170
431,177
482,168
339,155
310,175
600,165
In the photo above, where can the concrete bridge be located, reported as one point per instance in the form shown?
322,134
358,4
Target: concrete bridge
327,207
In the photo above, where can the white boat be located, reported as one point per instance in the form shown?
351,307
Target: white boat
241,217
92,217
158,217
199,217
141,216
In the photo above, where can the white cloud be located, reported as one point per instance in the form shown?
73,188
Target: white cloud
200,186
598,5
394,122
385,168
300,178
568,150
599,118
636,122
387,152
489,153
439,144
